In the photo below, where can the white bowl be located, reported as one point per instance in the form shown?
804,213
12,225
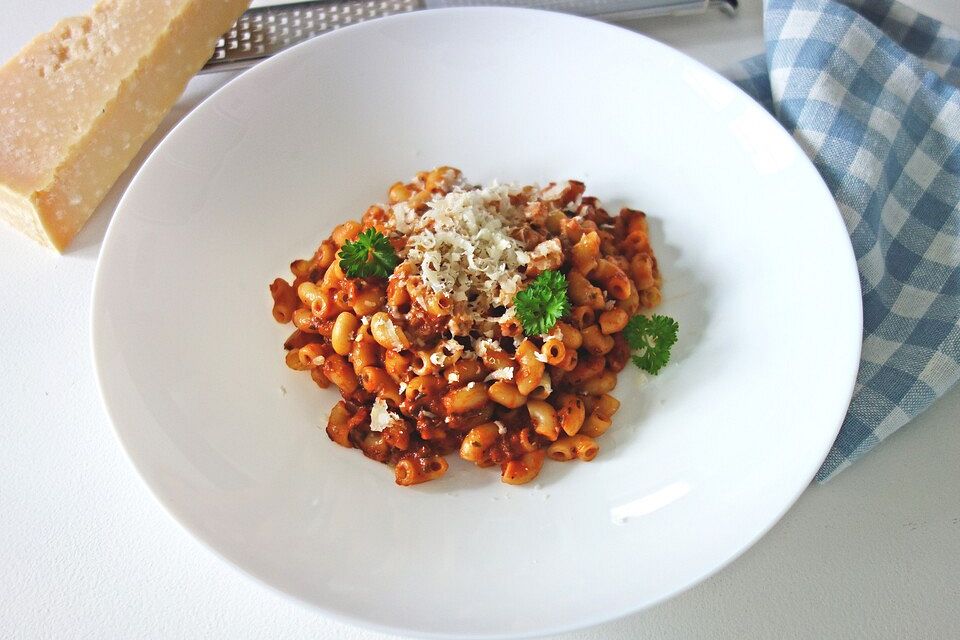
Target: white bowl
701,460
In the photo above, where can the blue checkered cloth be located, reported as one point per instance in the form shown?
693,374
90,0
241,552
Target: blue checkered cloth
869,88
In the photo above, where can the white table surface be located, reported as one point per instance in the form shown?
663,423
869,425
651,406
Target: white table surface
86,552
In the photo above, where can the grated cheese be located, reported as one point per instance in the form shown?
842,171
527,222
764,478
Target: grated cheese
504,373
546,255
501,428
453,349
380,415
403,217
480,346
462,246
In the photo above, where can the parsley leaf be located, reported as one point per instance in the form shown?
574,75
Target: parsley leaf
369,256
652,337
542,303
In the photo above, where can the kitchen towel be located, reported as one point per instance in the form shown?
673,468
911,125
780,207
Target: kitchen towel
869,89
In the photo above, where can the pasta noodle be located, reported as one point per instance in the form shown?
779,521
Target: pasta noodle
432,358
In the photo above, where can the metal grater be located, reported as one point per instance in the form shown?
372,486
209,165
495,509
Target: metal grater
264,31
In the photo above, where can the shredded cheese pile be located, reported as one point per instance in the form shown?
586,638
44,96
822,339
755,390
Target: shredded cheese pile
462,246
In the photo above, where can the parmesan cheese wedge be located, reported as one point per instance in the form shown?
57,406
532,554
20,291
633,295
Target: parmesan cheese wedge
79,101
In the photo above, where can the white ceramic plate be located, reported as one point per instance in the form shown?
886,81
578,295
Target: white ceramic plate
701,461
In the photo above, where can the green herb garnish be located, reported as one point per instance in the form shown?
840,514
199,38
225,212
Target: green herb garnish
652,337
542,303
369,256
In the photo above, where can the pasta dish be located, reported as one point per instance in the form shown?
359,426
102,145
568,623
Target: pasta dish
490,321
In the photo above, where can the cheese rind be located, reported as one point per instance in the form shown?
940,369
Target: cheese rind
80,101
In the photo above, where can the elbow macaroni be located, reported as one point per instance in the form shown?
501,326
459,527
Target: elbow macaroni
495,396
